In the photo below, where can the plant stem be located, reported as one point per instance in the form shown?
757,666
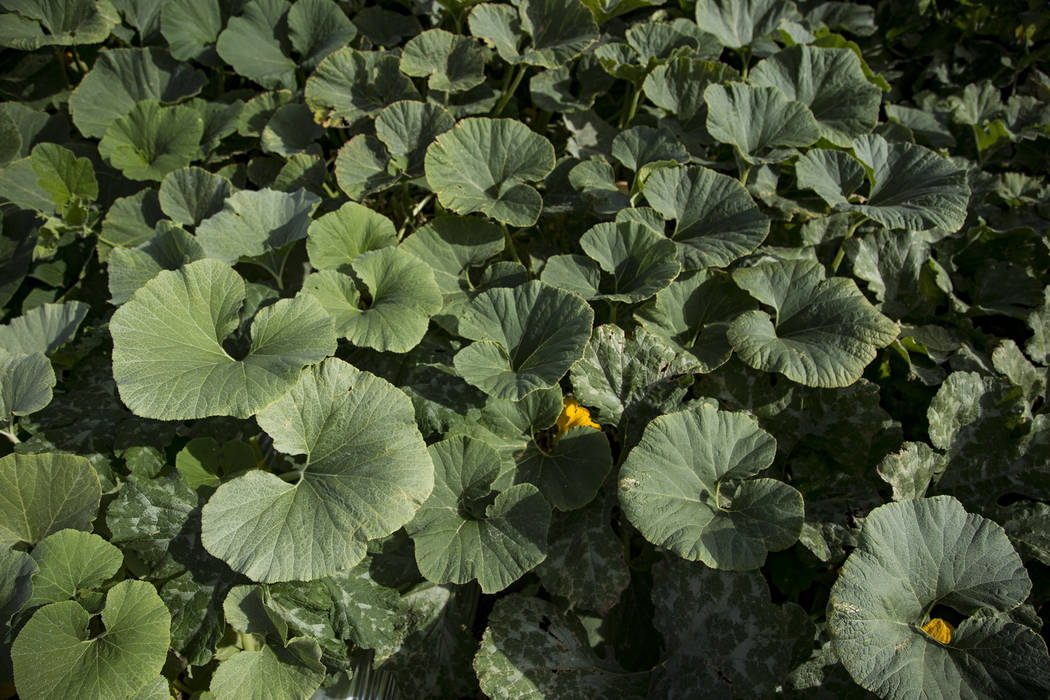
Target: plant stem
10,432
510,244
415,212
627,114
842,246
508,91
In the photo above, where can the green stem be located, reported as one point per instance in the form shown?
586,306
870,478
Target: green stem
612,311
842,246
508,92
60,57
248,642
630,107
745,60
509,244
330,191
745,169
10,432
415,212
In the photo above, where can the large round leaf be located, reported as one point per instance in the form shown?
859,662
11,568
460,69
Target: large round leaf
366,472
637,260
912,187
484,164
913,556
716,221
533,650
252,223
152,140
450,63
528,338
828,80
569,473
191,195
825,332
350,84
693,316
761,122
26,383
30,24
169,361
686,486
58,655
467,530
121,78
386,305
737,23
44,493
293,672
256,44
337,238
69,561
722,633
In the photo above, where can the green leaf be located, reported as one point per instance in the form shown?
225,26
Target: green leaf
528,338
825,332
364,167
639,261
70,181
407,128
911,470
131,268
626,378
722,633
451,63
337,238
386,305
350,84
253,223
191,195
366,474
468,529
637,147
686,486
130,221
43,329
30,24
585,559
69,561
293,672
256,44
484,164
16,585
316,28
57,655
26,383
499,27
913,187
559,30
570,474
914,555
291,130
692,316
678,86
830,82
531,649
121,78
451,245
737,23
1038,346
152,140
169,361
45,493
759,120
191,28
365,611
434,662
716,221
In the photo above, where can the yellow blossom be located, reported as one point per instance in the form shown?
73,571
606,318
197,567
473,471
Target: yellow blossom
939,629
572,415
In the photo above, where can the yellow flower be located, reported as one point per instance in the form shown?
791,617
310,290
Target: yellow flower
572,415
939,630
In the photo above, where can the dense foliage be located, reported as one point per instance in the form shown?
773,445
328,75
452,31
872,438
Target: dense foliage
551,349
